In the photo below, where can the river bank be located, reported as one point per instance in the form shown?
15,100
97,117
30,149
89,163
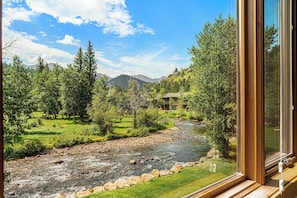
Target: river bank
61,171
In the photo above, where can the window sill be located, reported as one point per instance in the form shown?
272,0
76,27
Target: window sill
237,186
249,188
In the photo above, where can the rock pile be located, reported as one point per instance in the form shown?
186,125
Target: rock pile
129,181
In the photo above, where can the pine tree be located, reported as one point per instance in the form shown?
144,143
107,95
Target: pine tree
90,68
17,100
82,92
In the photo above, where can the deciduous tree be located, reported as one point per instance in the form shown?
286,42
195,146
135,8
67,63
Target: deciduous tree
214,69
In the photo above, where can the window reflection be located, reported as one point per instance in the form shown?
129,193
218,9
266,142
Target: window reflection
277,79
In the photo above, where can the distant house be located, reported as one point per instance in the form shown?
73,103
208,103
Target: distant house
171,101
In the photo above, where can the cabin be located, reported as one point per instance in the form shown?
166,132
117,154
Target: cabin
171,101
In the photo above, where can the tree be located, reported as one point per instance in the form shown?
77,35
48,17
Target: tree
136,100
101,111
51,96
17,100
118,97
101,88
69,90
89,73
40,77
214,69
79,60
82,92
40,65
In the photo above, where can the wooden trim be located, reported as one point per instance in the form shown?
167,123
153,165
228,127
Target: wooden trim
252,102
294,65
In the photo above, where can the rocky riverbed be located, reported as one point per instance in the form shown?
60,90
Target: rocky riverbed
60,171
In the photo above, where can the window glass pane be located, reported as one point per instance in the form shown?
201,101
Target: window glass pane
278,80
107,94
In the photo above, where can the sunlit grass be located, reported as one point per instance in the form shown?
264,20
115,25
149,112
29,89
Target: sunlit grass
177,185
49,131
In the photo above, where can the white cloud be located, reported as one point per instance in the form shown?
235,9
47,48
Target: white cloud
28,50
112,15
153,64
14,14
69,40
42,33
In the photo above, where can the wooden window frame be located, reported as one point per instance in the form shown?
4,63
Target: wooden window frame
251,140
251,154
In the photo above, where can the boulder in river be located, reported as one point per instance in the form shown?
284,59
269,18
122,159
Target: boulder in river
133,162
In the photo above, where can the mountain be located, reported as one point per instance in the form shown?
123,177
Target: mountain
147,79
123,81
99,75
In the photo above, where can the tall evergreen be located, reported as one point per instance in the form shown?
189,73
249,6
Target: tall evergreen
90,65
79,60
40,77
82,91
90,68
17,100
40,65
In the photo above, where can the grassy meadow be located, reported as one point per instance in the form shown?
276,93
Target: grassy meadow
176,185
63,132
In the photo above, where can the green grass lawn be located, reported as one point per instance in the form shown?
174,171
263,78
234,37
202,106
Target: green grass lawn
50,131
177,185
60,131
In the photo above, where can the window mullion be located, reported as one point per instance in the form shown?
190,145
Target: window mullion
252,94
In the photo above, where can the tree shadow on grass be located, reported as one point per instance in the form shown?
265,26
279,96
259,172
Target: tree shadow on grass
42,133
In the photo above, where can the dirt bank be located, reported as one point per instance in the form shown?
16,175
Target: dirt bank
132,143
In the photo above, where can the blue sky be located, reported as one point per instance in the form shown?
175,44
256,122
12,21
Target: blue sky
149,37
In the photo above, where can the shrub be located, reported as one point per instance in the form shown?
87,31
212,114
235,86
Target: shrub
104,122
150,118
33,124
141,132
114,136
29,148
62,142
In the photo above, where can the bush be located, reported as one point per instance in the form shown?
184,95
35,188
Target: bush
62,142
141,132
104,122
114,136
29,148
150,118
33,124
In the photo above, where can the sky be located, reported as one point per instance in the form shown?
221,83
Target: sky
149,37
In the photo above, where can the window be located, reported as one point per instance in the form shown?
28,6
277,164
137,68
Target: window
254,150
278,80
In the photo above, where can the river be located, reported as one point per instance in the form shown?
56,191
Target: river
48,176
